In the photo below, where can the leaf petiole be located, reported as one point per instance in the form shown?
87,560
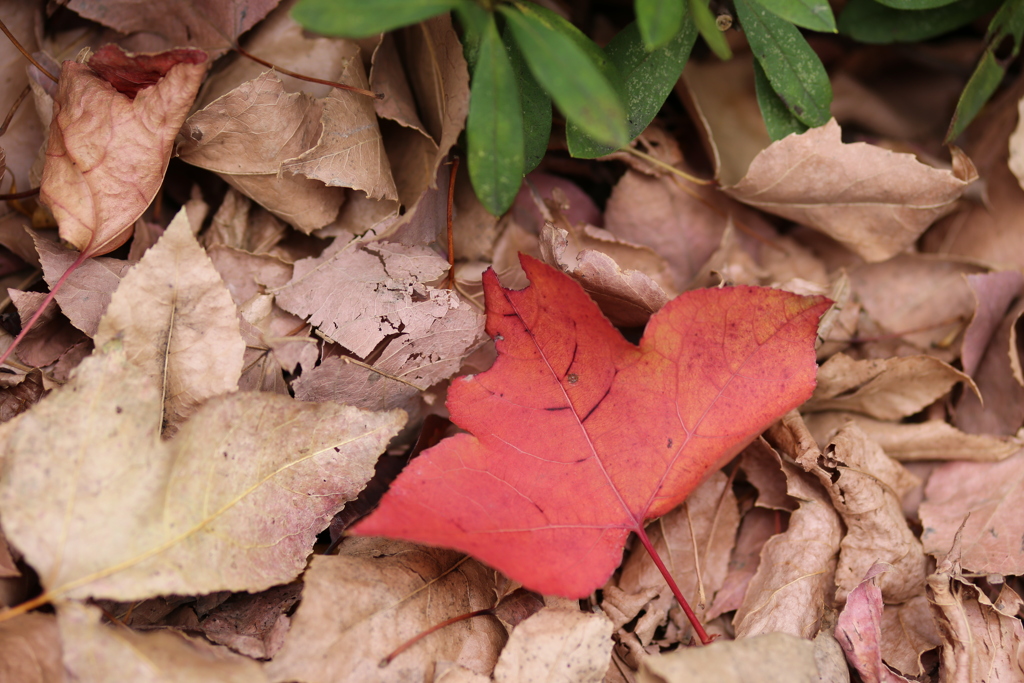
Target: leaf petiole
697,626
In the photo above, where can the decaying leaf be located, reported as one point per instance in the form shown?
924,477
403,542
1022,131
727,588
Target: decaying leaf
96,652
359,606
769,658
874,201
565,401
982,497
30,650
557,644
92,160
177,322
233,502
859,630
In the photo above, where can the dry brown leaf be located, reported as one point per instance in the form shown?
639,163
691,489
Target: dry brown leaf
795,576
247,135
908,631
711,512
98,653
253,625
867,487
627,296
178,323
874,201
14,400
241,224
993,294
30,650
913,303
767,658
907,442
233,502
888,389
388,76
50,337
360,295
360,605
1016,145
991,493
24,134
350,151
86,293
999,383
204,23
981,641
760,464
92,160
557,644
859,630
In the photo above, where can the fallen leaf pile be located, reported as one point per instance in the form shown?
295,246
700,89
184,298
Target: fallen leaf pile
245,325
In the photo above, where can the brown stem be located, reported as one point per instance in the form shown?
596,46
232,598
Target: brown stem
436,627
46,302
19,195
14,108
302,77
451,208
10,36
701,633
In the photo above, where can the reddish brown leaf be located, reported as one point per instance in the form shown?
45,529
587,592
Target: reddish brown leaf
578,436
130,73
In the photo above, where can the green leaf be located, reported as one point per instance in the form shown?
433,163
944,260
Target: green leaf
779,120
705,22
536,108
361,18
648,79
570,70
659,21
474,20
1008,23
494,126
794,70
916,4
866,21
813,14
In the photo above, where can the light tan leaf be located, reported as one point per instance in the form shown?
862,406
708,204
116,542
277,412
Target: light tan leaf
874,201
767,658
350,152
178,323
908,442
98,653
908,631
360,605
991,493
866,487
233,502
627,282
711,512
360,295
1016,144
886,389
981,641
30,650
107,153
797,568
388,76
204,23
557,644
247,134
86,293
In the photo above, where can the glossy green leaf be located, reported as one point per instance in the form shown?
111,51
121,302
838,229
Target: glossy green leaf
536,108
916,4
648,79
866,21
361,18
794,70
473,20
1006,26
659,21
705,22
813,14
494,126
779,120
562,61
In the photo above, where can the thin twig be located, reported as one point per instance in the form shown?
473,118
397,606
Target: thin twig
14,196
451,211
303,77
668,167
701,598
10,36
14,108
380,372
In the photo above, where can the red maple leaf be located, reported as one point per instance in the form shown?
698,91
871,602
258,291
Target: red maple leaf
577,437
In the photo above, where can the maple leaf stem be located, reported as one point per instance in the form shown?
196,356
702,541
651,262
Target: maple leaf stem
451,209
436,627
701,633
46,302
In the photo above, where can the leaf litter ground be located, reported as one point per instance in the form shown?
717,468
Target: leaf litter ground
175,441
